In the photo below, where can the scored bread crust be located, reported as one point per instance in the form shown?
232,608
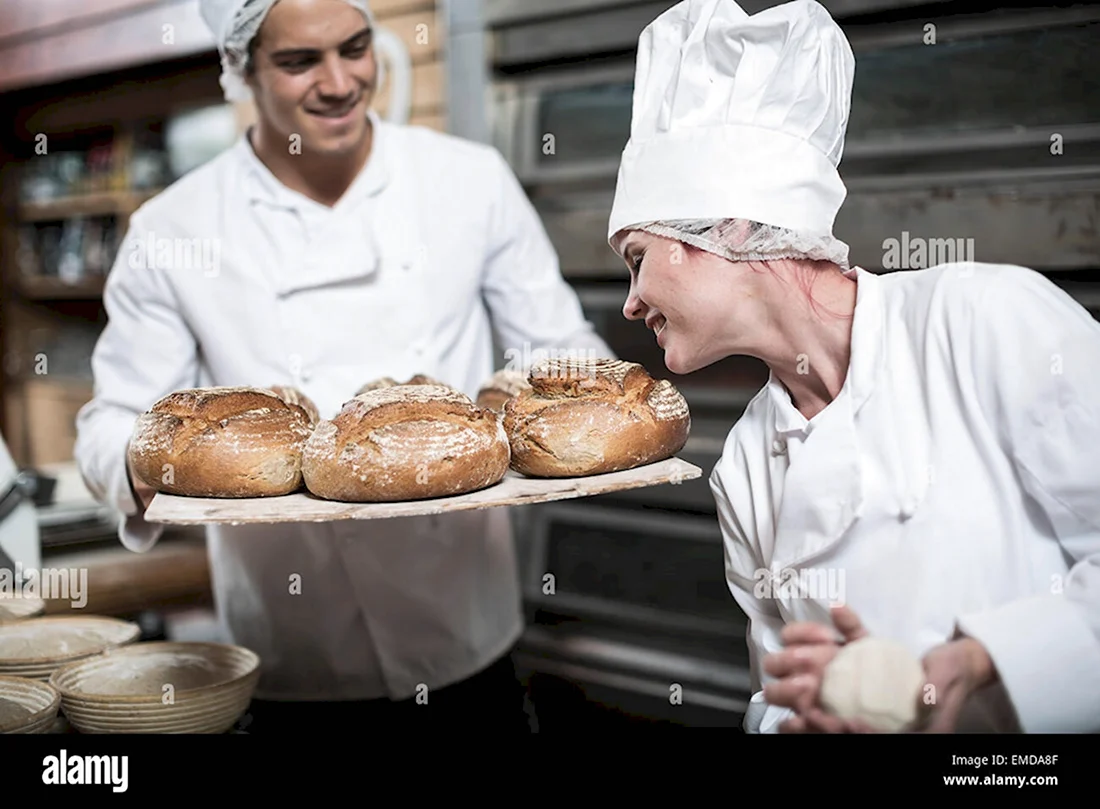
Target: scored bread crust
384,382
390,382
405,442
591,417
293,396
424,379
220,442
502,386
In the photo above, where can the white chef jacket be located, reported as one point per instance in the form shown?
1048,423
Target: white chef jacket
433,245
952,485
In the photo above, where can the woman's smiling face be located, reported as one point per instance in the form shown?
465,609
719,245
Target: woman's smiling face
701,307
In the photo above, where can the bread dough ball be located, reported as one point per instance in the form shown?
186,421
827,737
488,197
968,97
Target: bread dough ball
876,681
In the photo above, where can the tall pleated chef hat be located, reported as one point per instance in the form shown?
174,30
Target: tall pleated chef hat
234,24
737,131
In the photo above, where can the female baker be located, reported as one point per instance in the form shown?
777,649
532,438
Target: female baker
930,434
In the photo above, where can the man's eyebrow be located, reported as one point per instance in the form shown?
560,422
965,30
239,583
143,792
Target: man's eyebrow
366,32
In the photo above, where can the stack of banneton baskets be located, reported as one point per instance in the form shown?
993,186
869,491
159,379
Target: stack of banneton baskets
94,672
36,647
159,687
33,648
27,706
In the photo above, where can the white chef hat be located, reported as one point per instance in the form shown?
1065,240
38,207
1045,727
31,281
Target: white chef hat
737,131
234,24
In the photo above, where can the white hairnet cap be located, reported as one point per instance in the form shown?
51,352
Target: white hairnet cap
737,131
234,24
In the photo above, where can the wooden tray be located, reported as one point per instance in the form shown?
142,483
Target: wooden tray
513,490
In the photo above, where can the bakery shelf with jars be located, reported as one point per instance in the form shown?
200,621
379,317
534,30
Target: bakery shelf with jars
72,181
84,148
83,157
73,195
74,204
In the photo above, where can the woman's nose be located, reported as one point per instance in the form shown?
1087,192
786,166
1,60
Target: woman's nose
634,309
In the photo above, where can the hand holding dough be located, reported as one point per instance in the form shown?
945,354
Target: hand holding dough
876,681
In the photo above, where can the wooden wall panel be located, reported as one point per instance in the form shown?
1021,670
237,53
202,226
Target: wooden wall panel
428,95
436,122
22,18
163,32
422,32
421,29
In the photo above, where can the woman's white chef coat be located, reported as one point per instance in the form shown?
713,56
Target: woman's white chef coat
230,278
953,484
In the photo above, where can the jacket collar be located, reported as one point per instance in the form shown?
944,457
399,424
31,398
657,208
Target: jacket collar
263,187
863,364
342,241
823,494
868,338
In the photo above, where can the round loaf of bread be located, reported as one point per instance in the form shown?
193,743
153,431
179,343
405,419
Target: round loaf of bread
424,379
405,442
378,384
220,442
503,385
293,396
591,417
390,382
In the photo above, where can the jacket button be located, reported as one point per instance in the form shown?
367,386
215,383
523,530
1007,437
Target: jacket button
779,447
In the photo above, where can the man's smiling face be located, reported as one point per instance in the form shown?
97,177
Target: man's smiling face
314,74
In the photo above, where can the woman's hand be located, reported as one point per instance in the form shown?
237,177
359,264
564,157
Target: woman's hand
955,670
800,668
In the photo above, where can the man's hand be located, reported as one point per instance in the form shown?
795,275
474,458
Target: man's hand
144,492
800,668
955,670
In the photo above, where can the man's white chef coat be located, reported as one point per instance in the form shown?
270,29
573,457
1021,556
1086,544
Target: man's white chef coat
230,278
952,485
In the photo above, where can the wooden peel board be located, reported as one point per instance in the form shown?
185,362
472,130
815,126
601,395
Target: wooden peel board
513,490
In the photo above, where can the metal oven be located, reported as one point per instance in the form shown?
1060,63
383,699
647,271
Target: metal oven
630,605
981,126
973,132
